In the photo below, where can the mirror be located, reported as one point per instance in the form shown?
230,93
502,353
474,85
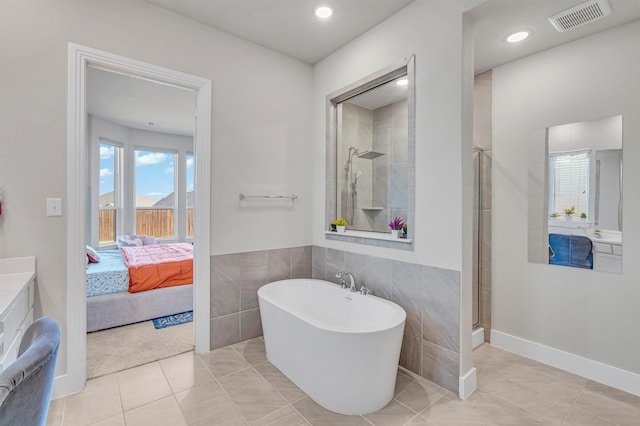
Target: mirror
370,144
575,195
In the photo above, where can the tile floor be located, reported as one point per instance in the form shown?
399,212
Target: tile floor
236,385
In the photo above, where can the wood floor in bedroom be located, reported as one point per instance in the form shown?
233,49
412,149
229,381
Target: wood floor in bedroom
120,348
237,385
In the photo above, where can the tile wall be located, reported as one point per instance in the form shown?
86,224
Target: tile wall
429,295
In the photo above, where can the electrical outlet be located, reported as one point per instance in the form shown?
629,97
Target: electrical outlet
54,206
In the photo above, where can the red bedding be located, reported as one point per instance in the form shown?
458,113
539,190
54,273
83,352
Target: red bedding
158,265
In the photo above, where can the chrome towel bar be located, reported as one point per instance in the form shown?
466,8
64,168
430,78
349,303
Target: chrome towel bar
290,197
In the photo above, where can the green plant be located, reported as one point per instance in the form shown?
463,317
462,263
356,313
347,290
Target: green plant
555,214
583,215
339,222
570,211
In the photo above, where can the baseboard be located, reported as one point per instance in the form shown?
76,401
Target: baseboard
467,384
594,370
477,337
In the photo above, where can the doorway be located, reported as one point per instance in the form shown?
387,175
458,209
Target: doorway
80,59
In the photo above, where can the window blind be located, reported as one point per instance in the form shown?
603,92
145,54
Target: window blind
569,180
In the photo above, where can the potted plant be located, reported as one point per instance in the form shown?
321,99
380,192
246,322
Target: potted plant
569,212
396,225
583,216
340,224
554,215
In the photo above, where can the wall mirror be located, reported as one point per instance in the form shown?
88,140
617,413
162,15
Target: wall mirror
575,195
370,153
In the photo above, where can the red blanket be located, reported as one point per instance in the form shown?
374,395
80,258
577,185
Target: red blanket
158,265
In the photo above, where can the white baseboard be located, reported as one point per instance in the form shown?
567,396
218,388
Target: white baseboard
594,370
477,337
467,384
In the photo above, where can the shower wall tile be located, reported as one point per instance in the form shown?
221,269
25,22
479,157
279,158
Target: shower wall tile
254,260
441,366
441,307
319,263
279,264
485,180
225,331
301,262
485,244
399,185
225,285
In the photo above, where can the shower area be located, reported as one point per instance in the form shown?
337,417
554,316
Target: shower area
372,163
482,159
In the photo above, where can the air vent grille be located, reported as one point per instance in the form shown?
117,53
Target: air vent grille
581,15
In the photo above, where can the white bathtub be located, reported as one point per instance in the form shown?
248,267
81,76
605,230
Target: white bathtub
340,348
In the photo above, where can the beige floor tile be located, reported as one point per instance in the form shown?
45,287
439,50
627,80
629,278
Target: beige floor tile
484,352
285,387
223,361
416,393
480,409
226,418
111,421
252,350
317,415
419,421
578,417
204,402
100,400
185,371
286,416
614,394
391,415
142,385
253,396
163,412
56,410
607,408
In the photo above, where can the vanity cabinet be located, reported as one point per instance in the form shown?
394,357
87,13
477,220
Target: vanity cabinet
607,257
17,284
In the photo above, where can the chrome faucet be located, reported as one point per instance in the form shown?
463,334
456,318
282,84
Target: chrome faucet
352,280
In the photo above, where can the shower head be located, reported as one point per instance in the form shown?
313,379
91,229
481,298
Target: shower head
369,155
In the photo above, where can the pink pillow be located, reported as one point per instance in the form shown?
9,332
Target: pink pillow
92,255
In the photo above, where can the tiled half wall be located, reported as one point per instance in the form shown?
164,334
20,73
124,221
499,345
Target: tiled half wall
430,296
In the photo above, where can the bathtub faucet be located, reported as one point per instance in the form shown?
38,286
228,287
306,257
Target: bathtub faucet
352,280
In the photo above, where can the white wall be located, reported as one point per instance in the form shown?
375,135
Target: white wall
590,314
260,126
432,30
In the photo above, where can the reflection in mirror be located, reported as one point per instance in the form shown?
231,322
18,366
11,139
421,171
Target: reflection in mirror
371,143
372,157
575,196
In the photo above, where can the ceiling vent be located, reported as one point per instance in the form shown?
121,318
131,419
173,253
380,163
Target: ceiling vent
581,15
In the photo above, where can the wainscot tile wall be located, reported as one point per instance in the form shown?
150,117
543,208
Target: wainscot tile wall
430,296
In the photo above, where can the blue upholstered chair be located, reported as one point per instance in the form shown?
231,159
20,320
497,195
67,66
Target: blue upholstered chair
571,250
25,385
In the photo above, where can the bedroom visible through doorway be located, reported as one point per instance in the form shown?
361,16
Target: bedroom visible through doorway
140,210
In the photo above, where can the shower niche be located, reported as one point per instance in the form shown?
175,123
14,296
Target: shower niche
370,141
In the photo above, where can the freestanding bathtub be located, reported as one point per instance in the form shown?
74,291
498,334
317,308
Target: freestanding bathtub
341,348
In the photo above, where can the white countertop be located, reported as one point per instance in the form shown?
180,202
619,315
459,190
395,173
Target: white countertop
15,274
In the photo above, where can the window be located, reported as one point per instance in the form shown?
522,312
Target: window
190,193
155,197
569,181
110,192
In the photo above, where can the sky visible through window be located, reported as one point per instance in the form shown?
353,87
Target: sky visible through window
154,172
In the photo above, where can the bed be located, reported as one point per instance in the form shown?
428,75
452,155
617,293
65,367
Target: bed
111,303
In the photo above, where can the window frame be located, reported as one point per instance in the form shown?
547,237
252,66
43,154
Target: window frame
118,191
574,201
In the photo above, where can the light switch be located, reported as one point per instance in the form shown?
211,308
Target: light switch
54,206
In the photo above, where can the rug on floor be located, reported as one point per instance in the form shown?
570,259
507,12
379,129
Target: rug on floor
171,320
119,348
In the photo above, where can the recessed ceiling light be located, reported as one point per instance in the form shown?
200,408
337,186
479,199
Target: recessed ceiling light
323,12
402,82
516,37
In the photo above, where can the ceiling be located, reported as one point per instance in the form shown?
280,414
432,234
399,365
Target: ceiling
289,26
496,19
135,102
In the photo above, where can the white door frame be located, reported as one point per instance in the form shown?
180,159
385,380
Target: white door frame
80,57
